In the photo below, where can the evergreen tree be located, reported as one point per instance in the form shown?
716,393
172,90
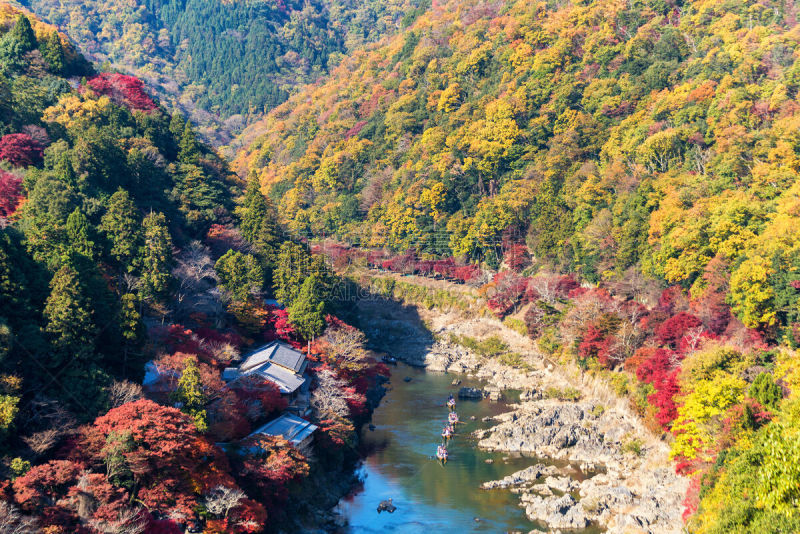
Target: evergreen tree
78,232
188,148
259,221
290,270
69,318
53,53
240,274
64,170
130,326
766,391
177,125
190,394
307,312
155,257
22,32
121,225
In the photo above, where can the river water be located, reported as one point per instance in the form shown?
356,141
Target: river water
431,498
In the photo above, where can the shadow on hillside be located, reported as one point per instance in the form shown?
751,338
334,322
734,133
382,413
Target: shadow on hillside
391,326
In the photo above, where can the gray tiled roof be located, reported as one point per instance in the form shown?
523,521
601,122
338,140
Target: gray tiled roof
276,352
277,362
287,381
291,427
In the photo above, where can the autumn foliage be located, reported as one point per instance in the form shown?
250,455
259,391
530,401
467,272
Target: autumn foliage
20,150
10,193
123,89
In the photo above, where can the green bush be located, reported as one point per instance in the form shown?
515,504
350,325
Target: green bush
566,394
516,325
766,391
633,446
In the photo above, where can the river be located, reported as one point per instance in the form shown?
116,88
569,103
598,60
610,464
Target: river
431,498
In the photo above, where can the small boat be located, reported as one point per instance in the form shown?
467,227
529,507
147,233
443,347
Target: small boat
391,360
441,454
447,433
452,418
451,404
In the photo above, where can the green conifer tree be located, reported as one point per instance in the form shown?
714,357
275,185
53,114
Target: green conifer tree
291,267
188,148
68,313
307,312
53,53
239,274
155,257
121,225
190,394
22,32
259,221
78,232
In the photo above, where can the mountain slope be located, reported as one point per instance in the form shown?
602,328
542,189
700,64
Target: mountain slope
636,144
614,135
223,62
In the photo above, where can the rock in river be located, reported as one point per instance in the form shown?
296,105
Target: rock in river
470,393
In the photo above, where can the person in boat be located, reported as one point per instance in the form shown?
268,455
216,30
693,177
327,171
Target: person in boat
453,418
451,403
447,433
441,454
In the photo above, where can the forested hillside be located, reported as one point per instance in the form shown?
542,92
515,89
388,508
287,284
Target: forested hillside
636,146
226,63
119,245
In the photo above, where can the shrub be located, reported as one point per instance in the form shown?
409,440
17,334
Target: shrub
633,446
563,394
516,325
766,391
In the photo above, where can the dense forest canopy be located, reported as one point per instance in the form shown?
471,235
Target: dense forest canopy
120,253
645,135
226,63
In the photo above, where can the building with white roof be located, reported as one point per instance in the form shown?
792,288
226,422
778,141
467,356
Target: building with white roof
278,362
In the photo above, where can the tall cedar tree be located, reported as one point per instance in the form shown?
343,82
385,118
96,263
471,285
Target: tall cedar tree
240,274
23,33
259,221
307,312
155,257
290,270
53,53
190,394
78,232
70,324
122,226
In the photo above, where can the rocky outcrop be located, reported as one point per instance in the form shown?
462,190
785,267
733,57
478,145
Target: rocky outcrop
557,512
555,430
523,477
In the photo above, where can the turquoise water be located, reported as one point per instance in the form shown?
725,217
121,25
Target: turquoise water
430,497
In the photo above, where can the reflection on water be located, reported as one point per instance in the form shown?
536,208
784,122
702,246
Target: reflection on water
431,498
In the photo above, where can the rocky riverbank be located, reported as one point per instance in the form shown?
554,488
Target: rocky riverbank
618,476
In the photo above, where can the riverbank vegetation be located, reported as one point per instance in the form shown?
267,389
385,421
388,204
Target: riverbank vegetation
125,245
